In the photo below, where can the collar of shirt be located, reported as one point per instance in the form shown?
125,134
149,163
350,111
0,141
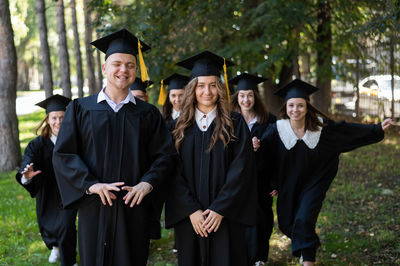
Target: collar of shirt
102,96
204,120
175,114
53,138
252,122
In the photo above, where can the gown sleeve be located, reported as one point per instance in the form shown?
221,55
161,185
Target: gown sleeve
344,137
181,203
160,151
31,155
237,199
72,174
267,153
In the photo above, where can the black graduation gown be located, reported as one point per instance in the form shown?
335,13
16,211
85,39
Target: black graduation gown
305,175
258,236
222,180
56,226
96,144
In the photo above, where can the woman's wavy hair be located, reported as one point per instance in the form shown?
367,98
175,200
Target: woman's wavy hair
259,107
44,128
223,123
312,121
167,109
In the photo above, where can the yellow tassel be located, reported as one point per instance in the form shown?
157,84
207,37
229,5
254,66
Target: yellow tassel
143,70
226,82
163,96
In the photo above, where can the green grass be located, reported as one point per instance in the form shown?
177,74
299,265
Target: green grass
359,223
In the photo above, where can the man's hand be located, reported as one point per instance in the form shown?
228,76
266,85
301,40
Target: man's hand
103,190
137,192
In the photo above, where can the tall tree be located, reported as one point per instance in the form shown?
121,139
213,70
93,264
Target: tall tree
63,50
44,48
77,45
322,98
9,140
89,56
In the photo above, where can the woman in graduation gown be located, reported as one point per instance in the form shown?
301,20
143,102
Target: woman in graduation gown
213,195
306,146
56,225
247,101
172,105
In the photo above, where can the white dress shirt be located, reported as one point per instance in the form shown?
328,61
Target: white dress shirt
175,114
204,120
252,122
102,96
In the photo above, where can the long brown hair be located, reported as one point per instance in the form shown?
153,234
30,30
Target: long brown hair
223,123
259,107
312,122
44,128
167,109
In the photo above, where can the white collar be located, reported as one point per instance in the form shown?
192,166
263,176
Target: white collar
102,96
53,138
175,114
289,138
252,122
204,120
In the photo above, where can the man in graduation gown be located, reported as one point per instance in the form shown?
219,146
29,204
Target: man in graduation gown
112,156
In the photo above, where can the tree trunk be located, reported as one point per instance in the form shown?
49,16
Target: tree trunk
392,43
273,102
77,45
23,76
322,98
63,50
44,49
99,69
89,55
358,87
9,136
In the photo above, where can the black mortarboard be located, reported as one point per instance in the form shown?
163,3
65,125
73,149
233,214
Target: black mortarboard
54,103
296,89
176,81
204,64
121,41
247,82
140,85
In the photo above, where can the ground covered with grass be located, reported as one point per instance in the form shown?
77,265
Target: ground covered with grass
359,223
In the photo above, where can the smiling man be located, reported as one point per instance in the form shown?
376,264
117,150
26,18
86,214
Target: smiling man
112,156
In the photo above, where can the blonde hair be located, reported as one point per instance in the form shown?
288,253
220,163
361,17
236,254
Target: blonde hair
44,128
223,123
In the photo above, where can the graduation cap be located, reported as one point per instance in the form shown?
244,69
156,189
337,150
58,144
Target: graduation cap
206,64
140,85
246,82
123,41
54,103
174,82
296,89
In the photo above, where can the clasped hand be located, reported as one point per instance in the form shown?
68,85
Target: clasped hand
135,193
205,222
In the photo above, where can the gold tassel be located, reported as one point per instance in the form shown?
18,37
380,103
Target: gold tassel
143,70
163,96
226,82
